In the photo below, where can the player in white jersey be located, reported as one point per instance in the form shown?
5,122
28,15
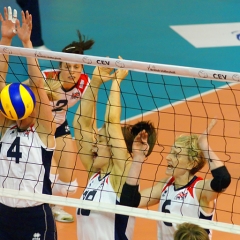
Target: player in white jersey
26,148
72,85
106,225
182,201
183,193
106,155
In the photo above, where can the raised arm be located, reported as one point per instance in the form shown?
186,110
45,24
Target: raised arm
45,118
209,189
7,32
85,117
130,193
139,151
113,127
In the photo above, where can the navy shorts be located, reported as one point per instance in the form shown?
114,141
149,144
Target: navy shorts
62,130
30,223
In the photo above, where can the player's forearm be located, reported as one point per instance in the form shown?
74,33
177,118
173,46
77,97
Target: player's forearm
130,195
85,113
212,158
34,71
113,109
4,58
134,173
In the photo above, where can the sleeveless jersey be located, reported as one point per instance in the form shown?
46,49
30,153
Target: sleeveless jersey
183,202
67,98
101,225
24,165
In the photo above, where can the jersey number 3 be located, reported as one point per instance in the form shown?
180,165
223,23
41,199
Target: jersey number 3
15,153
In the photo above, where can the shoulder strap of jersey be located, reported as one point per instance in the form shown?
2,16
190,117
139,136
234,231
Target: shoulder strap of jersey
83,83
192,184
168,183
51,73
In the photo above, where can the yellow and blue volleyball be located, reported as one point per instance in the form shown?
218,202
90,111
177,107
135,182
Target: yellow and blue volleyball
17,101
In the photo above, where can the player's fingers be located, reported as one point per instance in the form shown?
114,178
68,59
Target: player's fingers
30,22
9,13
1,17
27,16
23,17
14,17
144,136
5,13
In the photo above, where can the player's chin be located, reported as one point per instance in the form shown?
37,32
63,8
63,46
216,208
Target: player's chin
169,171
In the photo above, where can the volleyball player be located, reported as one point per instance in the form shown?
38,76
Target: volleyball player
73,83
182,193
106,155
189,231
26,148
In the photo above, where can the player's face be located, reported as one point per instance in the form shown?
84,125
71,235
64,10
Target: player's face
101,151
70,73
178,163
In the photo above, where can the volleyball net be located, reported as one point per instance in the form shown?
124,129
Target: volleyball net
178,100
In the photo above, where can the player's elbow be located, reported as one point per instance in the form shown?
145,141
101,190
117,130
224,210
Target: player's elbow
221,179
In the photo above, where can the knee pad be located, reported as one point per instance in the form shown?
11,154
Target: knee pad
64,189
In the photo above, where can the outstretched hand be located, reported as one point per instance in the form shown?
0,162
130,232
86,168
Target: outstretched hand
203,138
140,145
120,74
101,74
104,74
8,28
24,31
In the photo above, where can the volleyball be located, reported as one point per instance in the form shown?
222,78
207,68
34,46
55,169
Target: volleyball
17,101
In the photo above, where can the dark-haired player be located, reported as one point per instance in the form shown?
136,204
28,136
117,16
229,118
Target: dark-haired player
73,84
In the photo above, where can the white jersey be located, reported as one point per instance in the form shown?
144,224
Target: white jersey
101,225
183,202
68,98
24,165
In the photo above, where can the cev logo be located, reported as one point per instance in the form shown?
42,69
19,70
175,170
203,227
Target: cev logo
102,62
219,76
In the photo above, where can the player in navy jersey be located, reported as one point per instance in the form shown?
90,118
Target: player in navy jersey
26,148
106,155
182,193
